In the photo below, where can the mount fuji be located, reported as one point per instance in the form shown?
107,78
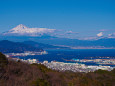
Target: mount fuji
22,30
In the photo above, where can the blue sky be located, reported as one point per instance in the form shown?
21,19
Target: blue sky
87,18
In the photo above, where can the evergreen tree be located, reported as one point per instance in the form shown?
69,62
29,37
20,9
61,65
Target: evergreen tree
3,60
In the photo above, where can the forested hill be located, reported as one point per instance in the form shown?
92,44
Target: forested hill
43,45
16,47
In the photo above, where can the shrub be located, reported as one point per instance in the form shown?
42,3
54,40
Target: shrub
3,60
40,82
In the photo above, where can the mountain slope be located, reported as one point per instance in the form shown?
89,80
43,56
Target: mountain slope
16,47
41,45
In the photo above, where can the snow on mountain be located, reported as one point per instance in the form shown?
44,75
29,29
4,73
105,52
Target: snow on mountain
23,30
112,35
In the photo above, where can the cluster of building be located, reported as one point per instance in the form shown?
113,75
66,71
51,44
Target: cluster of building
61,66
97,61
29,61
26,53
75,67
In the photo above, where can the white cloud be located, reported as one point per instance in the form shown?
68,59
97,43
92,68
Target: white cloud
100,34
71,32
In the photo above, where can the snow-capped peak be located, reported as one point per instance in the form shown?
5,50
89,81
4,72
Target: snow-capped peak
20,26
23,30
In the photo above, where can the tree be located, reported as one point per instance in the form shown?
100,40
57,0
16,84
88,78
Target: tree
3,60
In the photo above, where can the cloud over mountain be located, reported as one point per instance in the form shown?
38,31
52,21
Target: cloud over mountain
23,30
71,32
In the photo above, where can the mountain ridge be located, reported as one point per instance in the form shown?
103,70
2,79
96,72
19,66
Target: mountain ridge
42,45
16,47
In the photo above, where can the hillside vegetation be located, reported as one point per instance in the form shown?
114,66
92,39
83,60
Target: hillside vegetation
14,73
16,47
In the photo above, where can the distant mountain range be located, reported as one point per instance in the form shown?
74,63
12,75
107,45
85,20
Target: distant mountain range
19,47
63,42
104,42
57,43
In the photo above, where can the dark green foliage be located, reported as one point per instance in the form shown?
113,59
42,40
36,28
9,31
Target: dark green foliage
3,60
113,71
40,82
43,68
102,71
